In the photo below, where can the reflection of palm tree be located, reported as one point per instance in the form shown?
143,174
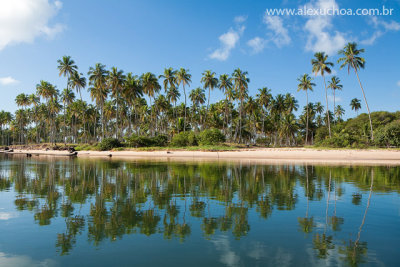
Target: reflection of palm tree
306,224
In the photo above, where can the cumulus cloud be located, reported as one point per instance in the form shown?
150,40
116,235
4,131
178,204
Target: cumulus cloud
278,33
240,19
257,44
21,21
381,27
22,260
321,37
8,80
228,41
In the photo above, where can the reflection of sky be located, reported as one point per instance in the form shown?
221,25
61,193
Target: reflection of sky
23,261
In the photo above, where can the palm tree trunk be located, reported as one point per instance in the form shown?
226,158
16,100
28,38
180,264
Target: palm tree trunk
327,108
307,120
116,128
184,119
366,103
334,106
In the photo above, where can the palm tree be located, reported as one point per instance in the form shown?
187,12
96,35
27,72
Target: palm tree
116,81
241,82
169,77
334,84
132,91
67,67
305,84
67,97
351,58
264,98
210,82
320,65
183,77
198,97
98,89
355,104
78,82
225,83
150,86
173,96
339,112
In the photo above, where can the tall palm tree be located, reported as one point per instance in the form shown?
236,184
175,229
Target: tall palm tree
305,84
198,97
169,78
351,58
98,89
264,98
355,104
210,82
339,112
183,77
150,87
132,91
225,83
320,65
78,82
67,67
334,84
116,81
67,97
241,85
173,96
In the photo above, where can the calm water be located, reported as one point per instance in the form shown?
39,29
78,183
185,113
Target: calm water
69,212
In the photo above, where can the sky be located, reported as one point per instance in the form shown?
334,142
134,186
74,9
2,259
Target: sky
141,36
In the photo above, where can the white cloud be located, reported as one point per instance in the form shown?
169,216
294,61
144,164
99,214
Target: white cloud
21,21
22,260
398,83
337,99
381,27
228,256
279,34
8,80
240,19
320,38
228,42
257,44
5,216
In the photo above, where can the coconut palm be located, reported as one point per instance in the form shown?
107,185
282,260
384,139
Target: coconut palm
98,89
305,84
116,81
198,97
225,83
355,104
334,84
67,67
339,112
183,77
241,85
150,87
132,91
210,82
78,82
67,97
169,78
264,98
320,65
351,58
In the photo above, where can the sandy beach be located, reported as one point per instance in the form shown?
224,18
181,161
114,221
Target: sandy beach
293,155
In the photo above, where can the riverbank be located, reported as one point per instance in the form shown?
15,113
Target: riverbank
293,155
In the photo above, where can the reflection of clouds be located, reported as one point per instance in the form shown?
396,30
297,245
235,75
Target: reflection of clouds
22,261
4,216
228,257
258,251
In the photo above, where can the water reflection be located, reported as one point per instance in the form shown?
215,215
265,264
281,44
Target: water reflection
107,200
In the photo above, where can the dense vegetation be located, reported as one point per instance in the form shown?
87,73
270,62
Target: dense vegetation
133,111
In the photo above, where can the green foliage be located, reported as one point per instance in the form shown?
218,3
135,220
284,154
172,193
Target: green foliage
389,135
262,141
108,144
211,137
184,139
144,141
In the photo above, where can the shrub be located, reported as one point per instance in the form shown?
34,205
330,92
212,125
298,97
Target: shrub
211,137
389,135
144,141
108,144
262,141
160,140
180,139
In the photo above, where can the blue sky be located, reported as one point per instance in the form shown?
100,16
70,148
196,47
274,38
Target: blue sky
141,36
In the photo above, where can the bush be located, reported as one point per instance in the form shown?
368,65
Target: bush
144,141
262,141
108,144
389,135
211,137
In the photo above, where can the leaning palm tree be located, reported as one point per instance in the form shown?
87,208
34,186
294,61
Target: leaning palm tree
320,65
210,82
305,84
334,84
225,83
183,77
351,58
78,82
355,104
115,81
98,89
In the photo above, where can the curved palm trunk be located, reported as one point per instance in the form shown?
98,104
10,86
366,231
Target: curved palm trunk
366,103
327,108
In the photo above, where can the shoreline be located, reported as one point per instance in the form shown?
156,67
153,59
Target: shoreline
268,155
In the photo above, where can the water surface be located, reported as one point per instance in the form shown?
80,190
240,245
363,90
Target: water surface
70,212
